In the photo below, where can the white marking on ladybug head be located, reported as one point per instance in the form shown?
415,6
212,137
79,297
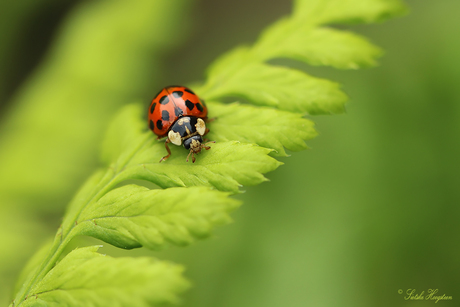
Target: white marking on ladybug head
200,126
175,138
195,146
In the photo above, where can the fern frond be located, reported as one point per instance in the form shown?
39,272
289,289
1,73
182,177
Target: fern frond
193,198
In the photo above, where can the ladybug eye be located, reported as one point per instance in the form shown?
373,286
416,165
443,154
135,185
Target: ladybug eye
175,138
200,126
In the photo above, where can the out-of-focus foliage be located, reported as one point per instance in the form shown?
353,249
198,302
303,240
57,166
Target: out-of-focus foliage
22,33
52,132
57,119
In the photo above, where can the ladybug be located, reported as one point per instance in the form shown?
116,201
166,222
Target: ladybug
180,115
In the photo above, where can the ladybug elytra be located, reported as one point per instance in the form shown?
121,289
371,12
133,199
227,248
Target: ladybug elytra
178,114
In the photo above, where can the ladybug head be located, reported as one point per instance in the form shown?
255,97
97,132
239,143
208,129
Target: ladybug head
194,143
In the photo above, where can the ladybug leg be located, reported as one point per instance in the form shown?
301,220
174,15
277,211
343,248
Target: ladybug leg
207,147
208,120
169,151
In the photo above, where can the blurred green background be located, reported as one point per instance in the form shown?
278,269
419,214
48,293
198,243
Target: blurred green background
372,208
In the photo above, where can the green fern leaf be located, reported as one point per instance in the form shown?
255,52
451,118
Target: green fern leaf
315,46
282,88
226,166
267,127
347,11
124,131
87,278
133,216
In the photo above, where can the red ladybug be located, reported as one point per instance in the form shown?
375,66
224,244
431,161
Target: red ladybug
176,112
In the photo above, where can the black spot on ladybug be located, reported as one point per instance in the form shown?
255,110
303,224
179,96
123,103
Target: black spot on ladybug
177,94
164,99
165,115
159,124
199,107
178,112
189,91
152,107
151,125
189,104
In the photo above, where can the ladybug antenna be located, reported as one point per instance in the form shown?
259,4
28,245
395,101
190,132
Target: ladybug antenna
193,156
